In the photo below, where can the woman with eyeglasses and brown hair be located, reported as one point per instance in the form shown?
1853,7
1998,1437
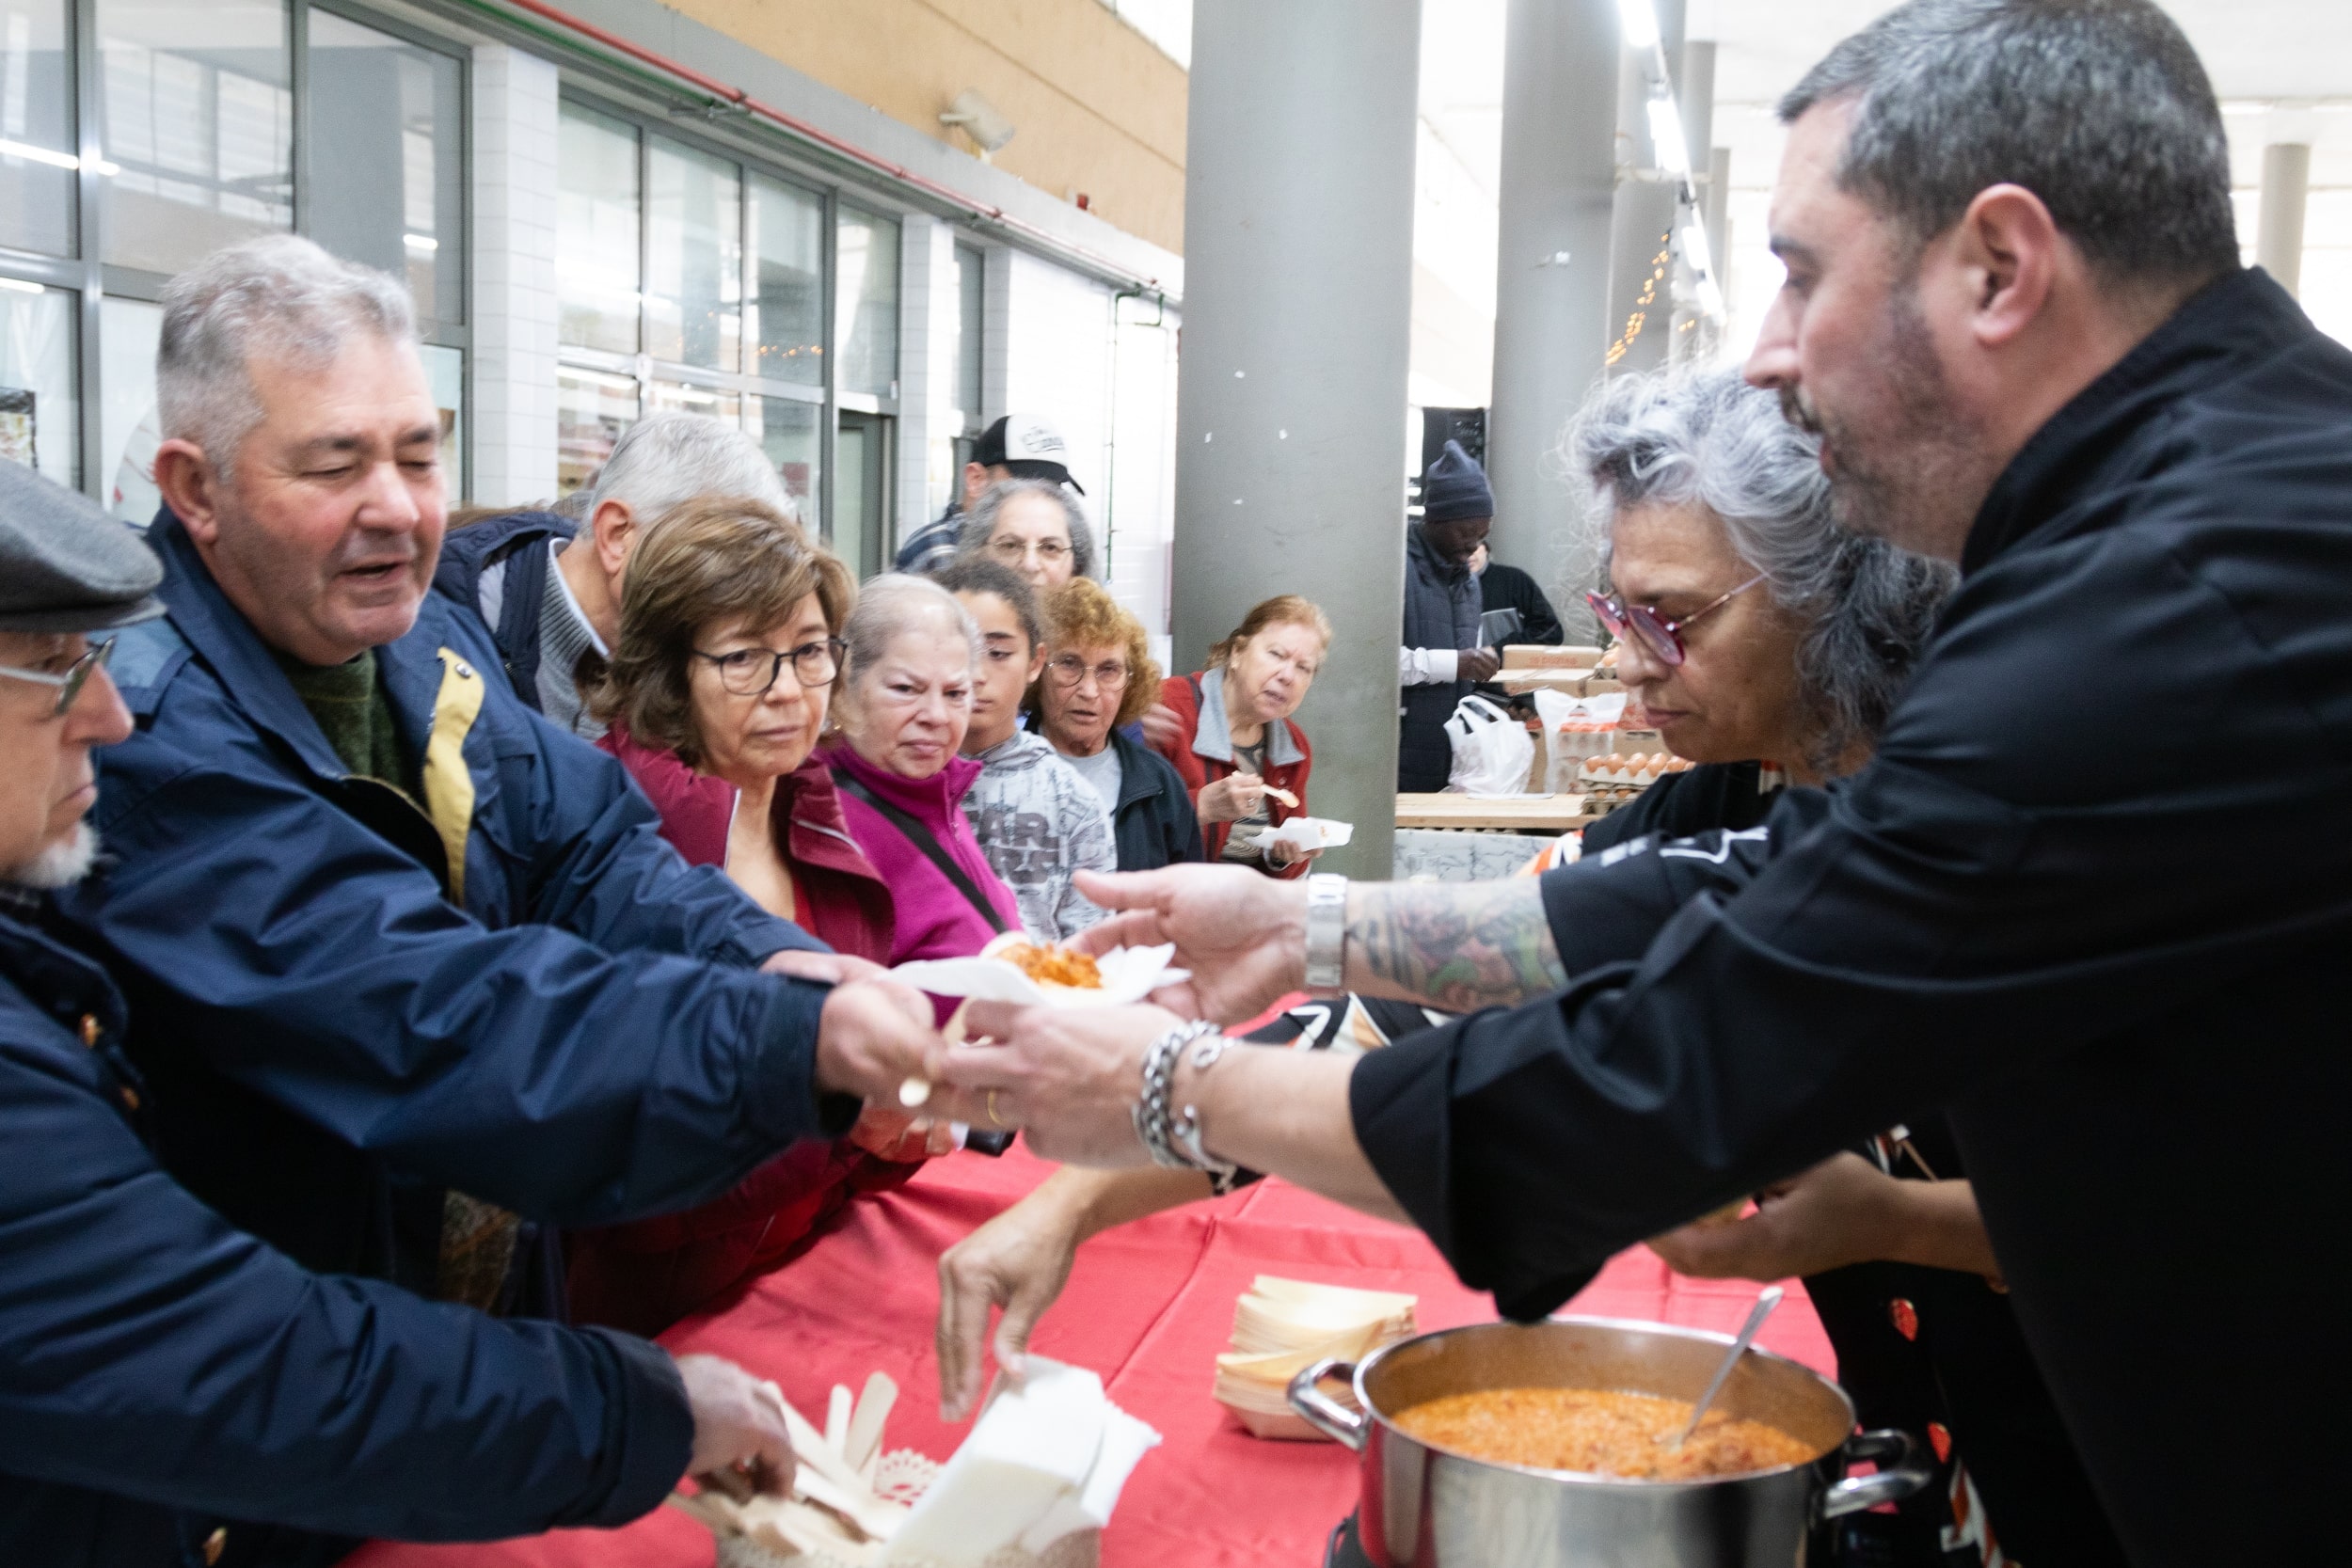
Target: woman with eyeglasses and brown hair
1098,678
719,689
1032,527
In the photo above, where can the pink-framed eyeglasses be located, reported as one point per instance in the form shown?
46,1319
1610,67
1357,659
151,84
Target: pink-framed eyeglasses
1659,637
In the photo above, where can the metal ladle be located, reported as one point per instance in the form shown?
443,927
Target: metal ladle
1763,1309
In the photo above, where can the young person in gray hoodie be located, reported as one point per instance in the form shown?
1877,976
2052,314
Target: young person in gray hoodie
1036,820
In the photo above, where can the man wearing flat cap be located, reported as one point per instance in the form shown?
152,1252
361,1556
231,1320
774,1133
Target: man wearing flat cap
175,1390
1442,659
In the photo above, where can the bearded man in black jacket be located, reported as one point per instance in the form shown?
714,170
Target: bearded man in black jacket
2093,894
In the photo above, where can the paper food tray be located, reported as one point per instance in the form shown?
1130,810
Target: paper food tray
1310,833
1129,975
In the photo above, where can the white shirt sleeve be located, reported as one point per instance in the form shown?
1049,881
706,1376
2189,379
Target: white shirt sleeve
1426,666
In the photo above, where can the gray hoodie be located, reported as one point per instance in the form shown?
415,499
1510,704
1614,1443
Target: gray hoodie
1038,822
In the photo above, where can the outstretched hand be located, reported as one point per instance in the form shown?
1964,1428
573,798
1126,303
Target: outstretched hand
1068,1077
743,1441
1242,935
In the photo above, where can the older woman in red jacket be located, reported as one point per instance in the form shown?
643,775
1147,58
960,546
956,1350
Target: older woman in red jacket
1233,739
718,690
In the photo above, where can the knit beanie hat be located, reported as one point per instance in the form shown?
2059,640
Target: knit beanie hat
1455,486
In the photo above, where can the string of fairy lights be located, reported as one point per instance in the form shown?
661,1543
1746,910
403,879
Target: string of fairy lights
1671,153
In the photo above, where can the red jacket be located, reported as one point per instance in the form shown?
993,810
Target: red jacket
1208,755
644,1275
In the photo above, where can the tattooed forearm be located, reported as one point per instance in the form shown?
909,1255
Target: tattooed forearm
1457,946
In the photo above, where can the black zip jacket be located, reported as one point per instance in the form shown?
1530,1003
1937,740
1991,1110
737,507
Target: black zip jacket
2093,894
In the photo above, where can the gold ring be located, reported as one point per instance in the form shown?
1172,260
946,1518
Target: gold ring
991,1111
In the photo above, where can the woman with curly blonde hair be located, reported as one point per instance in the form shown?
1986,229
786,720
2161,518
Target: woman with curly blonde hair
1098,679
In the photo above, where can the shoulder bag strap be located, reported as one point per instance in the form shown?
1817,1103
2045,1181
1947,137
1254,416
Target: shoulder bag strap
911,829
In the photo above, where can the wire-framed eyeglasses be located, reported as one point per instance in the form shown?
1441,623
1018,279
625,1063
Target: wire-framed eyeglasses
70,683
1069,671
1659,637
1012,553
750,671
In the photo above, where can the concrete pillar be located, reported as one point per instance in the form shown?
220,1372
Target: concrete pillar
1552,285
515,121
1694,91
1298,229
2279,241
1640,283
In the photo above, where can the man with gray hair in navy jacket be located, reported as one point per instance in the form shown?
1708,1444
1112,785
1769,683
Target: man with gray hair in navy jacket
414,976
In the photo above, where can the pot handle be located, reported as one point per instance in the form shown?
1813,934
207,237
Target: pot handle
1903,1471
1321,1411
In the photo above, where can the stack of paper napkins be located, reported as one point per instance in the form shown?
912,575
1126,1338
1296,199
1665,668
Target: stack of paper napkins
1282,1327
1047,1458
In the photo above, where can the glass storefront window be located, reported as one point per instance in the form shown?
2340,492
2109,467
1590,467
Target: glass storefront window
592,409
37,140
387,176
971,305
197,118
445,374
865,321
668,395
41,424
787,306
128,331
595,268
786,430
695,287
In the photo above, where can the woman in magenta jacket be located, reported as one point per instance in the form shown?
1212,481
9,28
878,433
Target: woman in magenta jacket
727,656
902,707
1229,731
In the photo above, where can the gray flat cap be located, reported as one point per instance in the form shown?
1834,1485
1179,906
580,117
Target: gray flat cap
66,565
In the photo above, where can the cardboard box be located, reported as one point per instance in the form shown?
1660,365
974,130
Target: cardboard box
1539,656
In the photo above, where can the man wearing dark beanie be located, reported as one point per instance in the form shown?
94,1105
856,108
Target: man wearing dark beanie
1441,659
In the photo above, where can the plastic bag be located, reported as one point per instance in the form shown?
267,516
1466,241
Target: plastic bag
1492,752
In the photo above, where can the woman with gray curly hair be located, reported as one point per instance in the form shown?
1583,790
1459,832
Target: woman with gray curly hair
1751,628
1768,644
1033,527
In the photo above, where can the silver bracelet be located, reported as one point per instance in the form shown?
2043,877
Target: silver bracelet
1326,933
1175,1143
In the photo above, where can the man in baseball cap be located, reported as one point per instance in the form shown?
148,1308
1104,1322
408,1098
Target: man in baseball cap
1018,446
173,1384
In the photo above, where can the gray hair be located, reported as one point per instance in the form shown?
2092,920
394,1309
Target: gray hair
973,538
894,604
278,297
674,456
1682,437
2099,107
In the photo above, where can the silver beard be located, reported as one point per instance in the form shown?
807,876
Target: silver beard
61,864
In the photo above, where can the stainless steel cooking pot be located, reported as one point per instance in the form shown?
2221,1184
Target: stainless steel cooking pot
1426,1508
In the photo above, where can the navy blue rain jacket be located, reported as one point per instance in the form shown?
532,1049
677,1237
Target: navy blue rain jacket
348,1003
164,1377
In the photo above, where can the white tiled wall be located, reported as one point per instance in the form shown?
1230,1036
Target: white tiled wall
1110,388
514,128
926,363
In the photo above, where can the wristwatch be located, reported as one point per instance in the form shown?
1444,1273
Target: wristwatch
1326,931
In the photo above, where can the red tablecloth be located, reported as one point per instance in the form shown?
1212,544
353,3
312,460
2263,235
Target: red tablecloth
1147,1306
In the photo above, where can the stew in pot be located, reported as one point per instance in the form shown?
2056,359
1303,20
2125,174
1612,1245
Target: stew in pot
1598,1433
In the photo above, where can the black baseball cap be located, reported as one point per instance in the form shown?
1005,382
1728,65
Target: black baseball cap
1026,446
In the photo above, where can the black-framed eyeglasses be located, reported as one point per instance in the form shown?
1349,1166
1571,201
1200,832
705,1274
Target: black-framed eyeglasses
1069,670
1659,637
750,672
69,684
